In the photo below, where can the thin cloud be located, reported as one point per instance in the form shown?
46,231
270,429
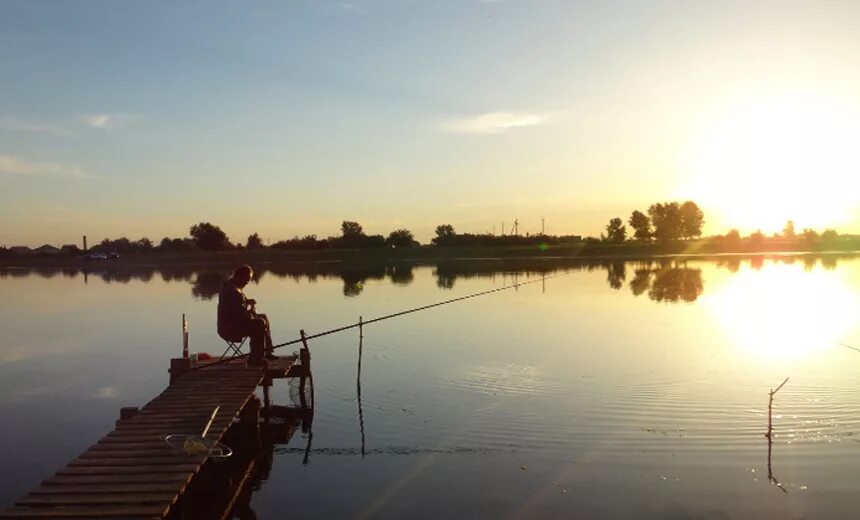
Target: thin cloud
495,122
11,165
15,124
344,8
108,121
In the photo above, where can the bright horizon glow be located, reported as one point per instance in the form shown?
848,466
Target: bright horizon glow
765,161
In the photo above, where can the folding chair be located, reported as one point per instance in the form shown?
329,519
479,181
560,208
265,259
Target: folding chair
234,347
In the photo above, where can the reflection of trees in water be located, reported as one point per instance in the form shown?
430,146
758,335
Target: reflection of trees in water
400,274
114,275
448,272
664,280
207,285
177,274
733,263
445,280
46,272
641,281
676,284
828,261
353,281
756,262
668,282
616,273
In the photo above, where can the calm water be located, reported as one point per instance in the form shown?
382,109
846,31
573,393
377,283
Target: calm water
606,391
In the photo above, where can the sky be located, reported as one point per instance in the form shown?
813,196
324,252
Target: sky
285,118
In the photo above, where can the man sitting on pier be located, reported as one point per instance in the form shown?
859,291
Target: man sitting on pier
237,317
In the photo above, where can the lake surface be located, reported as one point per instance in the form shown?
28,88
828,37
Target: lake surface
596,390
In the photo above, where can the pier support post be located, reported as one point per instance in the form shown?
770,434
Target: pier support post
305,358
178,366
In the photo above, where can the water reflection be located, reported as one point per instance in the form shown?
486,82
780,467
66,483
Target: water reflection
664,280
224,489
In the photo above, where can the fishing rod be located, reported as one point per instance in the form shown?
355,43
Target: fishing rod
360,323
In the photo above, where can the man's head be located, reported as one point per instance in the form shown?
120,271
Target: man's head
242,275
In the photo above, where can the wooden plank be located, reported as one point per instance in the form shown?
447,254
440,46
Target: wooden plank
193,406
140,461
170,424
126,470
158,445
130,499
106,488
176,479
125,438
154,450
216,397
158,417
143,511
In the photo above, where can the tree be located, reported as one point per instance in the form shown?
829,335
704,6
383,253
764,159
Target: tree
254,242
666,218
810,236
732,238
444,234
641,225
351,229
401,238
144,244
829,236
788,230
445,230
209,237
692,220
757,238
615,231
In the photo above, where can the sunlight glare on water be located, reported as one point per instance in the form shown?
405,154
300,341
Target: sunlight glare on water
784,311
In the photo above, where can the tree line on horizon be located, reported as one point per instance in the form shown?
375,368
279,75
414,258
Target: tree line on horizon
662,223
673,221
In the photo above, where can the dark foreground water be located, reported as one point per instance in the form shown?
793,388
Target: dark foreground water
609,390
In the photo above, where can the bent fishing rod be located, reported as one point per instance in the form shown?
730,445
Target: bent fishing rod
304,338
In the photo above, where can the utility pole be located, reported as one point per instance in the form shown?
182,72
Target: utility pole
503,228
542,226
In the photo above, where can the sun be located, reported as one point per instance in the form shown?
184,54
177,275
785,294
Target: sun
760,163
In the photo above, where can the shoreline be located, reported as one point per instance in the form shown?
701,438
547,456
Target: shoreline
417,255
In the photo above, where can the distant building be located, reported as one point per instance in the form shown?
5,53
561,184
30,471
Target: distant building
47,249
20,250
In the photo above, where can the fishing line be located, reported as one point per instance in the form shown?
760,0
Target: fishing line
416,309
390,316
846,345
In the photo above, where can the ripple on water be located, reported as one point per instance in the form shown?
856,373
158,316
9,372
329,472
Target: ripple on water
498,378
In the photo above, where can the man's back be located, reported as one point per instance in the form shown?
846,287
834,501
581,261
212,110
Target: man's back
232,311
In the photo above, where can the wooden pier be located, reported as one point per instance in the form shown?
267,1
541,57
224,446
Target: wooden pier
131,472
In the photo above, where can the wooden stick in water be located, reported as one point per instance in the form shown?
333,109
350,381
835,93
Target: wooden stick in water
770,409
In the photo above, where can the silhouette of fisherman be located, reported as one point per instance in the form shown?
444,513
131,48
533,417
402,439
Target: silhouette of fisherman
237,317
